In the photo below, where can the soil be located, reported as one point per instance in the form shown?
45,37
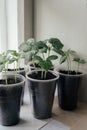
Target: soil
38,76
70,72
36,65
9,81
15,69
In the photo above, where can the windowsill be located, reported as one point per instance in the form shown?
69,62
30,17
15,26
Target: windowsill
75,120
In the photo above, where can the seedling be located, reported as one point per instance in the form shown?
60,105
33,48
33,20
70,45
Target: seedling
45,62
40,51
29,50
79,61
67,57
3,62
57,45
11,56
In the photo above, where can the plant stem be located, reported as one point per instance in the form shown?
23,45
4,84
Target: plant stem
15,72
42,73
43,56
68,65
34,66
45,74
78,68
6,76
49,52
17,66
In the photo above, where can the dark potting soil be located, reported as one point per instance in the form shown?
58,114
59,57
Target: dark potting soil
9,81
36,65
15,69
38,76
70,72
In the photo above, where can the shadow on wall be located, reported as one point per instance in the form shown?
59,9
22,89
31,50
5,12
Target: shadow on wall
83,90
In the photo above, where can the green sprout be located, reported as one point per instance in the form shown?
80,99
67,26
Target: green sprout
57,45
9,57
79,61
4,63
29,50
14,58
66,57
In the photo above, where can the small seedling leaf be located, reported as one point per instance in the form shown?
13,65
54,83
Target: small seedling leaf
56,43
63,59
52,57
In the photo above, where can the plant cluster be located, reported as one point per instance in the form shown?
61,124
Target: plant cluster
69,56
10,57
35,51
41,52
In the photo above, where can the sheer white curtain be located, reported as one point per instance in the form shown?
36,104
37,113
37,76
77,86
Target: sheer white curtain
11,24
3,26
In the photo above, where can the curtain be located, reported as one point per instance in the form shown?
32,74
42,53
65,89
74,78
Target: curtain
11,24
3,26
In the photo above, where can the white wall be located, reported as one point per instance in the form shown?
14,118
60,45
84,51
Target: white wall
67,20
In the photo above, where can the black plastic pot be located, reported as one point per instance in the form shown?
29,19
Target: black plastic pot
22,72
68,86
42,94
10,101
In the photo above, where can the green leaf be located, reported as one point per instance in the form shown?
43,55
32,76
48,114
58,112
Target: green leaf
79,60
25,47
1,59
52,57
46,65
82,61
36,57
2,67
76,59
11,61
59,51
56,43
63,59
70,52
42,47
29,56
31,41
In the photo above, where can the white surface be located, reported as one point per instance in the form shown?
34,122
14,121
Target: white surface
55,125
